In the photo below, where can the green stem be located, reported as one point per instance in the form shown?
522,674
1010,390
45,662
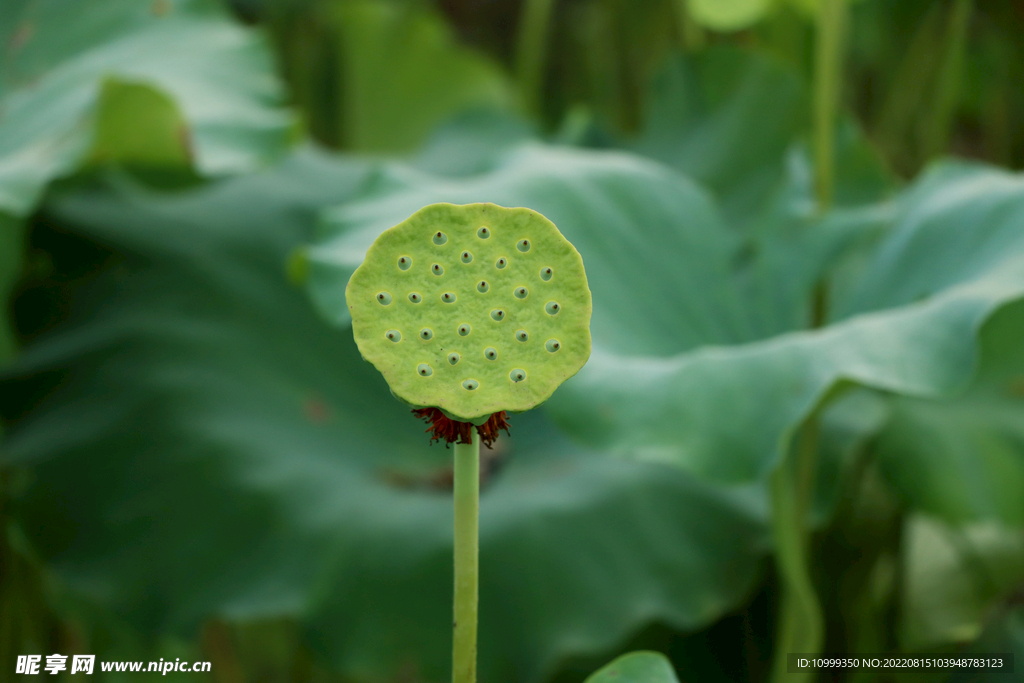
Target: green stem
801,628
828,66
467,550
948,86
531,53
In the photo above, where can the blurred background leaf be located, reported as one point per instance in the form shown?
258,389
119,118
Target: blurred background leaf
960,459
954,576
193,84
383,73
728,15
649,667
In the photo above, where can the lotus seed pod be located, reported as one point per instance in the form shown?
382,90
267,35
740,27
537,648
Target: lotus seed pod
486,309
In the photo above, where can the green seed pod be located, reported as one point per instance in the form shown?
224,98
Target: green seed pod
480,335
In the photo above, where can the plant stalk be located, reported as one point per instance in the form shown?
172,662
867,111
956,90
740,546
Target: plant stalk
531,53
801,627
467,551
828,71
947,90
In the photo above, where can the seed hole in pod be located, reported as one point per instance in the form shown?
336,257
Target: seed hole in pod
482,286
393,335
466,257
424,370
501,263
546,273
415,297
552,345
483,233
520,292
491,353
522,335
437,269
523,245
552,307
405,262
464,329
517,375
470,384
426,333
440,237
448,297
453,358
498,314
383,298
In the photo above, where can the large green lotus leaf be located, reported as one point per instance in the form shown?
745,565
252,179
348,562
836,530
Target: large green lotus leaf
962,459
404,72
907,326
472,142
636,667
75,76
217,449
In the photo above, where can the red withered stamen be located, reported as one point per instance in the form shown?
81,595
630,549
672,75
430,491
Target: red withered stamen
453,431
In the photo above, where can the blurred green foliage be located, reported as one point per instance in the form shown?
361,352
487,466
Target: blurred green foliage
785,398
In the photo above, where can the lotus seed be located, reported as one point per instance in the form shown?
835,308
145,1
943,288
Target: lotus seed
483,233
523,246
426,333
467,257
545,274
448,297
498,314
471,384
405,262
453,358
491,353
522,335
521,292
393,335
440,238
436,269
517,375
502,262
464,329
415,297
424,370
482,286
552,308
384,298
552,345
